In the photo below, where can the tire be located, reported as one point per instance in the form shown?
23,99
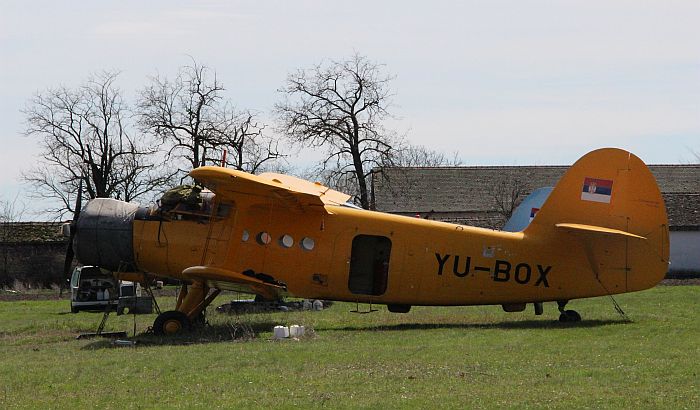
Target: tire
73,309
570,316
573,316
171,322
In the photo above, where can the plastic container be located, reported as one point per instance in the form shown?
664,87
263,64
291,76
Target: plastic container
306,304
296,331
281,332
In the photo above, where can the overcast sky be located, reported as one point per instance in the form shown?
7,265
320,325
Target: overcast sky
502,82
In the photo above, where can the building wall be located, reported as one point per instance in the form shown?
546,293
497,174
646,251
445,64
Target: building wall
38,265
685,252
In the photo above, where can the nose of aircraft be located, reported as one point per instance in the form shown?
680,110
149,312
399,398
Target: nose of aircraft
104,234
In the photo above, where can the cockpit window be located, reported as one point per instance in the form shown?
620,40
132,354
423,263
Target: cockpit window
351,205
190,202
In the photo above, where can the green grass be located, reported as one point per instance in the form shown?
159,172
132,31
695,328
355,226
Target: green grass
431,357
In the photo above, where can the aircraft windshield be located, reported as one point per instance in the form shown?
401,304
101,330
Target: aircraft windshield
187,202
351,205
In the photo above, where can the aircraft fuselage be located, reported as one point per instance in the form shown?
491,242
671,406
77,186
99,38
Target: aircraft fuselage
357,255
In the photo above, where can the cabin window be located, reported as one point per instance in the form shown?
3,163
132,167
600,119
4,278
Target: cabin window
369,264
264,238
307,244
286,241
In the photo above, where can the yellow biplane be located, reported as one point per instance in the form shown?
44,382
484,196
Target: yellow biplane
603,230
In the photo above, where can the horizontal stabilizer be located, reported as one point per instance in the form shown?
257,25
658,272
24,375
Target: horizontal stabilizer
596,229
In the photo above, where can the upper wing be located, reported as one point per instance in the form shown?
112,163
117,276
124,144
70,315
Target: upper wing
290,191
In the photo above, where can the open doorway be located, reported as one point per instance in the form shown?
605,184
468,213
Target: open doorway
369,264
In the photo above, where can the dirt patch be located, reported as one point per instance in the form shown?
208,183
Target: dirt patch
12,296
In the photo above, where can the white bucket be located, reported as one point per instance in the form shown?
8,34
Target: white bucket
281,332
296,331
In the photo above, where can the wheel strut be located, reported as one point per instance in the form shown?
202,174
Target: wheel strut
567,315
539,309
191,303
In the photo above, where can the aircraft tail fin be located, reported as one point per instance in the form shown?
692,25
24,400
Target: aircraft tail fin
610,202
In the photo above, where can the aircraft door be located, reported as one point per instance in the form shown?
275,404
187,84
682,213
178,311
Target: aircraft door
369,265
219,233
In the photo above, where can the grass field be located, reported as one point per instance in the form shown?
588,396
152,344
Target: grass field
429,358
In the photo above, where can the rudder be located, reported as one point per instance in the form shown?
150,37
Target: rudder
611,201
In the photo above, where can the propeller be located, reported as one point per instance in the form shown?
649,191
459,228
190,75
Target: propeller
73,230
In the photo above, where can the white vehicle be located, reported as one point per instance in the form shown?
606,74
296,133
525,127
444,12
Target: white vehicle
96,290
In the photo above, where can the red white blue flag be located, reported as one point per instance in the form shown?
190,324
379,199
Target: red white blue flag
533,212
597,190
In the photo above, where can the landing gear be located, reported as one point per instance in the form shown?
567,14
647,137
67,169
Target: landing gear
539,308
567,315
171,322
191,304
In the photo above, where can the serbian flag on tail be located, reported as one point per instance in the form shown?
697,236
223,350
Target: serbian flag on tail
597,190
533,212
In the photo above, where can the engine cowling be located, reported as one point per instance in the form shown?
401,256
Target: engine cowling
104,234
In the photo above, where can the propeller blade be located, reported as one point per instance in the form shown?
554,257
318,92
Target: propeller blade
69,258
78,203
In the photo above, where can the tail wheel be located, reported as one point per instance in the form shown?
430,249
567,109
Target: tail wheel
570,316
171,322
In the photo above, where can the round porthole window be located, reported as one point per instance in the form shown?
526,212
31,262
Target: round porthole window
307,244
286,241
264,238
245,236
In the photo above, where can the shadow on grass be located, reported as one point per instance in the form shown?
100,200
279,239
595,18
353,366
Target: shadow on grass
218,333
240,331
522,324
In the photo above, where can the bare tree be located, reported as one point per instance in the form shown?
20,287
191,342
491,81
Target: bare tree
421,156
12,210
507,194
85,136
396,178
340,107
248,149
191,116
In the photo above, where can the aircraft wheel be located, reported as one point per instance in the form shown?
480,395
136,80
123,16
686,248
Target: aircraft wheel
570,316
171,322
